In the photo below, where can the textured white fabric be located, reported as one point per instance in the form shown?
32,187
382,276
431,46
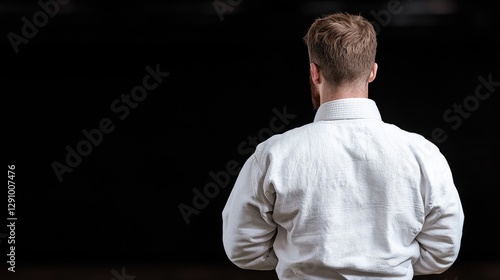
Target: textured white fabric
347,196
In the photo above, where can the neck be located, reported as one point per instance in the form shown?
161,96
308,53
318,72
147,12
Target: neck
341,92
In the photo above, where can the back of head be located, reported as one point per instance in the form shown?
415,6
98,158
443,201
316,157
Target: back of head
343,46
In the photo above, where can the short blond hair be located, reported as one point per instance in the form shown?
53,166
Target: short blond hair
343,46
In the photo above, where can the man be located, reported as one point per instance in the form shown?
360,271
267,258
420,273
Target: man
347,196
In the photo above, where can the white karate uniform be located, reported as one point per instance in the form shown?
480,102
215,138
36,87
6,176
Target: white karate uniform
347,196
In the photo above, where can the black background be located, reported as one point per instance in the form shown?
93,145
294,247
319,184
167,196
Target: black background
119,206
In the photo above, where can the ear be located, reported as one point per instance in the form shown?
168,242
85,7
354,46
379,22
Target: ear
314,71
373,73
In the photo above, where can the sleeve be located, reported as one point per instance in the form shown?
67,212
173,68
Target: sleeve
247,226
441,233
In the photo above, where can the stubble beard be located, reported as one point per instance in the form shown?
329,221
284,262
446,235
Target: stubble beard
314,94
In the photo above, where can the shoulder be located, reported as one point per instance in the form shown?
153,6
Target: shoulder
284,141
413,139
428,155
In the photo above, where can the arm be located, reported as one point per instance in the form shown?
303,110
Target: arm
248,228
441,233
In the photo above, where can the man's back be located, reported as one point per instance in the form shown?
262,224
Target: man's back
350,196
347,196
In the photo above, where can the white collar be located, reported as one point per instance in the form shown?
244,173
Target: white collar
348,108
